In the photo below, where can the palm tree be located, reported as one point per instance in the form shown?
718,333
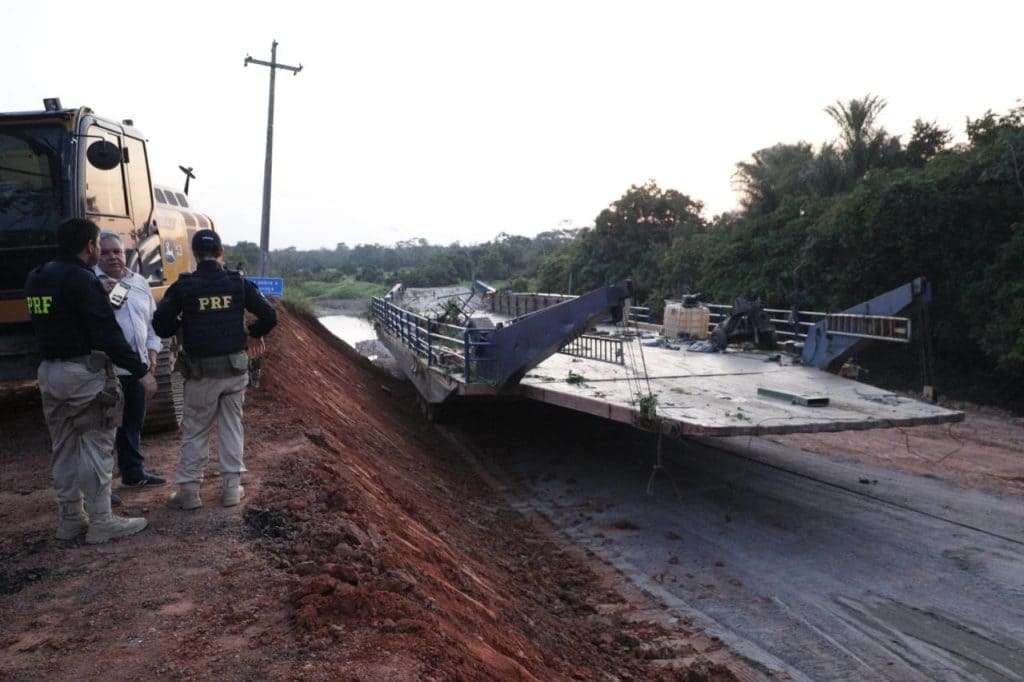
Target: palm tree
863,144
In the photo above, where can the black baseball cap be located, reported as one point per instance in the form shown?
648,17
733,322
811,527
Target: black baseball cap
206,241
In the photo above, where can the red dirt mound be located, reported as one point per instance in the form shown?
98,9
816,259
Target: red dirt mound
367,549
398,539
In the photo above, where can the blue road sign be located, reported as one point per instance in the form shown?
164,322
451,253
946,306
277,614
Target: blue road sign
269,286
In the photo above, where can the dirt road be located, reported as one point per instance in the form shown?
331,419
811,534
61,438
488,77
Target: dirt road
366,550
827,567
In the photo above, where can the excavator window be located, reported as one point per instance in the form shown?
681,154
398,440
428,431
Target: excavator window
105,189
138,179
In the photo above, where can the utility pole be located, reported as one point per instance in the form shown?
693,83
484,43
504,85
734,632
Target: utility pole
265,221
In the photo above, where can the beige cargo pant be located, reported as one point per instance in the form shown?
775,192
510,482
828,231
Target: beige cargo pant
83,460
210,400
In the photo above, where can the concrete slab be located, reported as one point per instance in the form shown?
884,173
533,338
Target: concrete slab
715,394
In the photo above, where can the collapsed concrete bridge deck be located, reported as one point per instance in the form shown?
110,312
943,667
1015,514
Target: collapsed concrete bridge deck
732,393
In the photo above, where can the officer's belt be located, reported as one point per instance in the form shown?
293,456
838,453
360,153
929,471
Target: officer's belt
97,361
215,367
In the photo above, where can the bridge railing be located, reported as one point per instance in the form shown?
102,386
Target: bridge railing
600,348
516,304
870,327
439,344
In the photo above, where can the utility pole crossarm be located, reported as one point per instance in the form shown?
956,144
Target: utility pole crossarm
293,69
265,220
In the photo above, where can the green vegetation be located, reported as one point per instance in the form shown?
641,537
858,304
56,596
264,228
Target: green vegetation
299,305
575,378
648,408
451,313
299,300
343,287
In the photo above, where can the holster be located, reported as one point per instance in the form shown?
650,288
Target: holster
106,409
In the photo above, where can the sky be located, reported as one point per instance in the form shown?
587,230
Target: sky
460,120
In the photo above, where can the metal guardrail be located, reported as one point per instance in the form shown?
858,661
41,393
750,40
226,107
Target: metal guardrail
516,304
595,348
639,314
440,344
448,347
871,327
500,354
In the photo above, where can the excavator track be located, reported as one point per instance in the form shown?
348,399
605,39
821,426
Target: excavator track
163,412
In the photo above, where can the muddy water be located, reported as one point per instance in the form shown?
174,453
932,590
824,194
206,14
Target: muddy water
349,329
358,332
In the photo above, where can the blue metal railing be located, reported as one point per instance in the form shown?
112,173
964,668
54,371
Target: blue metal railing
438,343
499,355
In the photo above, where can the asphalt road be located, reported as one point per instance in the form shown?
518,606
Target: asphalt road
820,568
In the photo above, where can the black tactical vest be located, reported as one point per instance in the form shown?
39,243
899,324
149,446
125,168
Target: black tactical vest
213,312
71,315
58,324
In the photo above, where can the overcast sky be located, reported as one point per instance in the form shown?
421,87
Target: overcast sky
460,120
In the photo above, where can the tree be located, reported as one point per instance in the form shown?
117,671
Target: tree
555,271
490,264
927,140
829,174
864,145
628,240
245,253
774,172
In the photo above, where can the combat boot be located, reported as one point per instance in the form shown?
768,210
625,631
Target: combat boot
186,497
233,490
111,527
72,520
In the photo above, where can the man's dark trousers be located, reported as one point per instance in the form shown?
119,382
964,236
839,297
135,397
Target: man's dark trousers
129,435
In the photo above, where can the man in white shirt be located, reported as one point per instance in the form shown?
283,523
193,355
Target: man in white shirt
135,317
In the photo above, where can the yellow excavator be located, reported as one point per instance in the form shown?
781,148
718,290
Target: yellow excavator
62,163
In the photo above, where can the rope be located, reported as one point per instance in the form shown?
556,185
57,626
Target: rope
659,465
632,374
647,377
635,387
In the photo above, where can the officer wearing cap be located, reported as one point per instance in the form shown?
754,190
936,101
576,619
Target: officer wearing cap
78,338
209,306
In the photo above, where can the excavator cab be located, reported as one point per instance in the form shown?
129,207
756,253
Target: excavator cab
60,163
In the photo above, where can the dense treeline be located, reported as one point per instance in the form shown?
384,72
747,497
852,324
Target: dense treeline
822,226
415,262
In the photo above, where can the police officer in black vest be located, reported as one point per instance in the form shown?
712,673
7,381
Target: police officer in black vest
82,401
210,305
